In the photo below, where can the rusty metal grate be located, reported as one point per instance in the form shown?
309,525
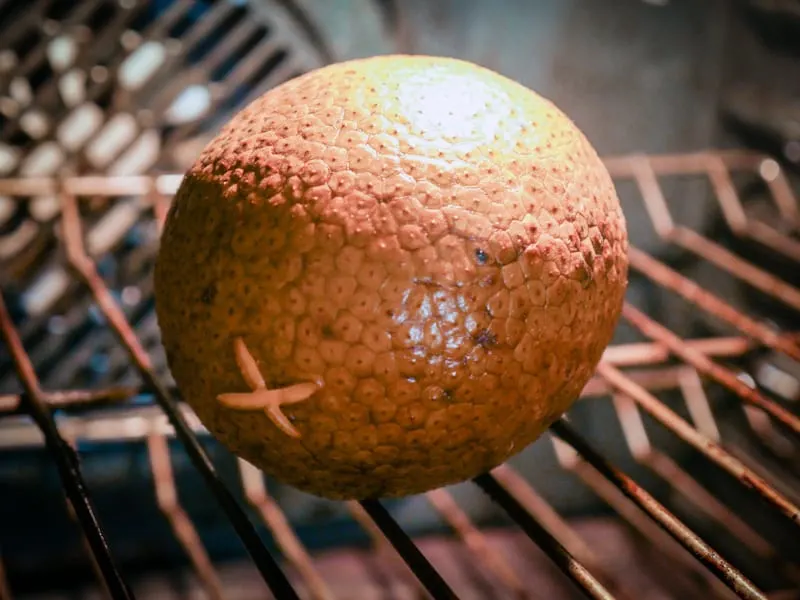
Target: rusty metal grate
634,376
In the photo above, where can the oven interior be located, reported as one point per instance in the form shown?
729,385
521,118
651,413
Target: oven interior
676,475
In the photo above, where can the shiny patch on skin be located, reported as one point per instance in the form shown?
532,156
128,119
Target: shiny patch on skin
260,398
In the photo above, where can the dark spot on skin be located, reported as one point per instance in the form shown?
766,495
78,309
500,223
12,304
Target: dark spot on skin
481,256
428,282
209,293
327,331
585,277
447,395
486,338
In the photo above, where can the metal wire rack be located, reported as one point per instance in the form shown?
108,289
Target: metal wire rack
764,461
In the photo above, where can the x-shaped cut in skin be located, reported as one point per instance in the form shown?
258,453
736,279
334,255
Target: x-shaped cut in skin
260,398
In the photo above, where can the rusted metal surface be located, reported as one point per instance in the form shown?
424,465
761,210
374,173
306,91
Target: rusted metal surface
381,546
706,366
671,472
182,527
524,493
65,457
15,403
687,538
567,563
679,561
698,441
475,541
428,576
292,548
669,278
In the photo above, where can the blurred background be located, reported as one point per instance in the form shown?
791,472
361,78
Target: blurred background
127,87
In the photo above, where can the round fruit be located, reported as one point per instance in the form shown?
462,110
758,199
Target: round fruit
389,275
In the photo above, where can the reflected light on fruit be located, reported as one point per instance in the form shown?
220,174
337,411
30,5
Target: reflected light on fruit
449,108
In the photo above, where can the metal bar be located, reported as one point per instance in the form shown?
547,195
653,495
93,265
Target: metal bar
644,453
545,514
666,468
422,568
770,237
721,568
544,539
715,166
781,447
361,517
689,163
256,493
655,379
736,266
654,202
773,175
90,185
185,532
475,541
66,459
95,566
638,520
86,270
697,404
381,544
689,290
11,404
708,367
726,194
131,425
778,479
698,441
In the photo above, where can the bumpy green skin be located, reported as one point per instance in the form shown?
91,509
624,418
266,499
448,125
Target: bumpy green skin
438,244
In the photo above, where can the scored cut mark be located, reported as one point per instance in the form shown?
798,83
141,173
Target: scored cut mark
261,398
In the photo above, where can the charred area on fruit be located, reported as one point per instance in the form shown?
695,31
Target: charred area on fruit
209,293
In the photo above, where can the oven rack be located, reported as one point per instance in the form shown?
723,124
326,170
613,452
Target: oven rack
632,375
